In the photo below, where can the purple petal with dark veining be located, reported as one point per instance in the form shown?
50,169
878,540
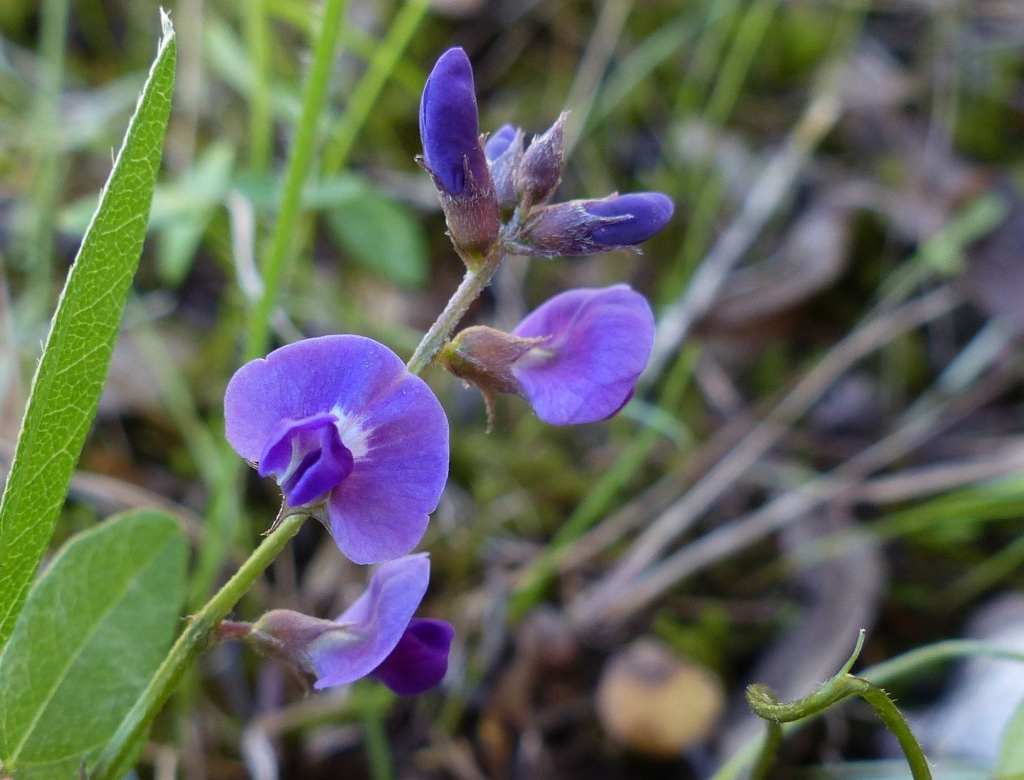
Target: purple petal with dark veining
599,341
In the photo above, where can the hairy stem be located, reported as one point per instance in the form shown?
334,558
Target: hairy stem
477,278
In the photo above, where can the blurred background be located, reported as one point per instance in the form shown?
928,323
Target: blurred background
829,438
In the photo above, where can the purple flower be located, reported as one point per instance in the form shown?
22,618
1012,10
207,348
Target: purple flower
581,227
339,420
596,344
576,358
376,636
454,155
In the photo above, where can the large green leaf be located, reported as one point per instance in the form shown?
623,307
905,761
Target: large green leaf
74,364
93,631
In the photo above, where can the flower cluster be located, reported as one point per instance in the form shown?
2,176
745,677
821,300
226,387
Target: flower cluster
576,358
355,439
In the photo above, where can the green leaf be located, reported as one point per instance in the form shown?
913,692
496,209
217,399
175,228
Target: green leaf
1011,753
68,381
381,236
93,631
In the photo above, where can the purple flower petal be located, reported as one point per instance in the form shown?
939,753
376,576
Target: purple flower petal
419,660
449,124
380,511
646,213
342,415
599,341
379,618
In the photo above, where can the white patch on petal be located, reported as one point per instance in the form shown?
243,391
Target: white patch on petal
353,435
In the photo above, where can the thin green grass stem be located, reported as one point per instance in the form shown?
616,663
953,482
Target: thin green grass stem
300,158
261,128
379,70
608,486
46,121
193,640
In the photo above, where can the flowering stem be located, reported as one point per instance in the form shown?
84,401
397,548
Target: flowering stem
477,278
194,639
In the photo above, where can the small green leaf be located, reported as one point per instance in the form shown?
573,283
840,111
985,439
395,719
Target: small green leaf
93,631
1011,753
71,372
381,236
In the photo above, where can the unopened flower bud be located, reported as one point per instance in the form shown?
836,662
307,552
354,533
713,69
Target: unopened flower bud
583,227
453,153
541,169
504,152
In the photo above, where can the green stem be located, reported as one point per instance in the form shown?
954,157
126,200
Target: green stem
46,181
477,278
364,97
300,157
192,641
261,127
897,724
769,749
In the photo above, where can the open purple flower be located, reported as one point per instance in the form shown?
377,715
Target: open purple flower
375,637
339,421
582,227
576,358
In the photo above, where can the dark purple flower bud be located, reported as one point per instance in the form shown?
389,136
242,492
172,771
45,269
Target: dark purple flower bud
505,152
339,422
454,155
583,227
541,169
499,141
576,358
377,636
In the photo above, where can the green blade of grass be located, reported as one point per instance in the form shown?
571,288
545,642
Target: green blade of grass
71,372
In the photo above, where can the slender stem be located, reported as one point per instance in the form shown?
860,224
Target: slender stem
364,97
191,642
313,98
897,724
46,181
769,749
261,127
476,279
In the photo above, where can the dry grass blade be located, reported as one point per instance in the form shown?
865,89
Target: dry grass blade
606,605
681,516
774,182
